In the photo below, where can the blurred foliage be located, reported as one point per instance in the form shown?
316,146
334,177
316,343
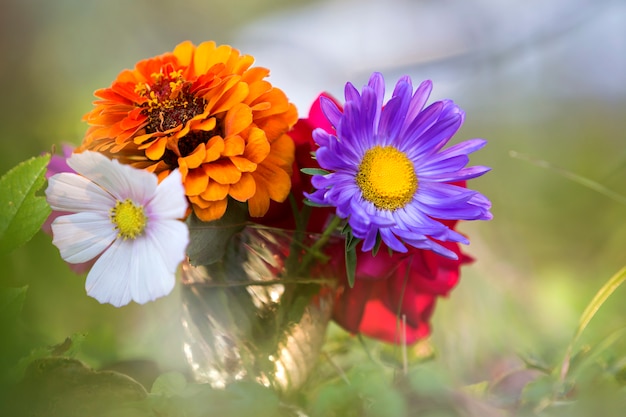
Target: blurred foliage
500,339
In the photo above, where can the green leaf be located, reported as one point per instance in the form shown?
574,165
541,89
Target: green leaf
314,204
59,386
350,253
350,264
68,349
23,212
314,171
376,245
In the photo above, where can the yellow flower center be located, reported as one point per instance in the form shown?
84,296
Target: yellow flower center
387,178
130,220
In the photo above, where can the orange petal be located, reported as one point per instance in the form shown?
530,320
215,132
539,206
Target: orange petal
242,63
214,95
255,74
243,164
278,101
198,201
184,52
215,191
259,203
143,138
244,189
273,127
238,118
213,211
214,148
156,149
232,97
207,55
275,180
183,168
161,175
257,147
222,171
196,158
233,145
283,152
195,182
206,125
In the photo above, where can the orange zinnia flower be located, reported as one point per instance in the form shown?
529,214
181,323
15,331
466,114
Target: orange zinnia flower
205,111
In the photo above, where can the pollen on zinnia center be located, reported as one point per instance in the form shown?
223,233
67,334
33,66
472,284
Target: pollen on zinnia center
387,178
169,102
129,219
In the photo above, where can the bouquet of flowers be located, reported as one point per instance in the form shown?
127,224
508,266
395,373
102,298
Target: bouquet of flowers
195,164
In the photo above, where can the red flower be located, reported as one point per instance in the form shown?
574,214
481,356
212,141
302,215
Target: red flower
389,288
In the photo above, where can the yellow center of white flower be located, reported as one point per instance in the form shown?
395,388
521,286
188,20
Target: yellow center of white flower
130,220
387,178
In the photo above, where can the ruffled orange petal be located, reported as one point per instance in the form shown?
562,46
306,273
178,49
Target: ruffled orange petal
222,171
207,55
195,182
259,203
205,125
215,191
276,126
233,145
232,98
184,52
214,148
276,181
283,153
198,201
213,211
238,118
244,189
243,164
257,147
255,74
196,158
156,150
278,103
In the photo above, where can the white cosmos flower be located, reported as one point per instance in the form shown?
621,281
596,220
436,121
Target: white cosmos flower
125,219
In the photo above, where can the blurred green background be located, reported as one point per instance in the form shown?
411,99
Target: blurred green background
548,81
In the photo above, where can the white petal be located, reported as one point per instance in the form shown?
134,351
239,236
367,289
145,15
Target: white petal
81,237
73,193
123,181
108,280
169,239
130,270
151,277
169,201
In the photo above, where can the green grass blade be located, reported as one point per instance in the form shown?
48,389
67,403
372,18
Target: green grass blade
592,308
572,176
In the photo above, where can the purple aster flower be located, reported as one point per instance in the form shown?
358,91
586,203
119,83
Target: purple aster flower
387,172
